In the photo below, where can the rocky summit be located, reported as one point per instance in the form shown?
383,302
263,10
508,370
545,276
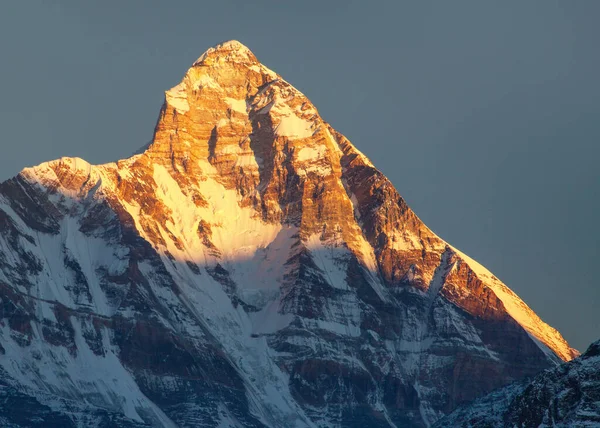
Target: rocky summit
249,267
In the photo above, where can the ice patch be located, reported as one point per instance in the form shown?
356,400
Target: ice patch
313,159
177,98
205,81
236,105
310,153
294,127
404,241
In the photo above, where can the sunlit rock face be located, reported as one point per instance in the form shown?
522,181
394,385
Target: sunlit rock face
249,267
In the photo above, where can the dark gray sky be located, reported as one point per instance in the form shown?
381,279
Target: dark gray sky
485,115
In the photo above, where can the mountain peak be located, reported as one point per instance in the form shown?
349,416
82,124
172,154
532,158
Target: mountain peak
227,71
230,51
250,252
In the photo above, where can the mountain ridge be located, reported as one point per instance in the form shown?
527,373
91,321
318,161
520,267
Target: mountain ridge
563,396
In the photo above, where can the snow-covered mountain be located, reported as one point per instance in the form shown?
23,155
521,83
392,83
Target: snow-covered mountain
250,267
565,396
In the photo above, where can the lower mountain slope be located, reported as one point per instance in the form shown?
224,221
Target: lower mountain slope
565,396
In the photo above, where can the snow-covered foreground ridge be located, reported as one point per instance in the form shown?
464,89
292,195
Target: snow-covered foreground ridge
250,267
563,396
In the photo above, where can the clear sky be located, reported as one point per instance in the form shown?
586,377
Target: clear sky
484,115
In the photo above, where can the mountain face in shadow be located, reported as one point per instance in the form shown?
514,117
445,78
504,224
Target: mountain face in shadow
564,396
249,267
